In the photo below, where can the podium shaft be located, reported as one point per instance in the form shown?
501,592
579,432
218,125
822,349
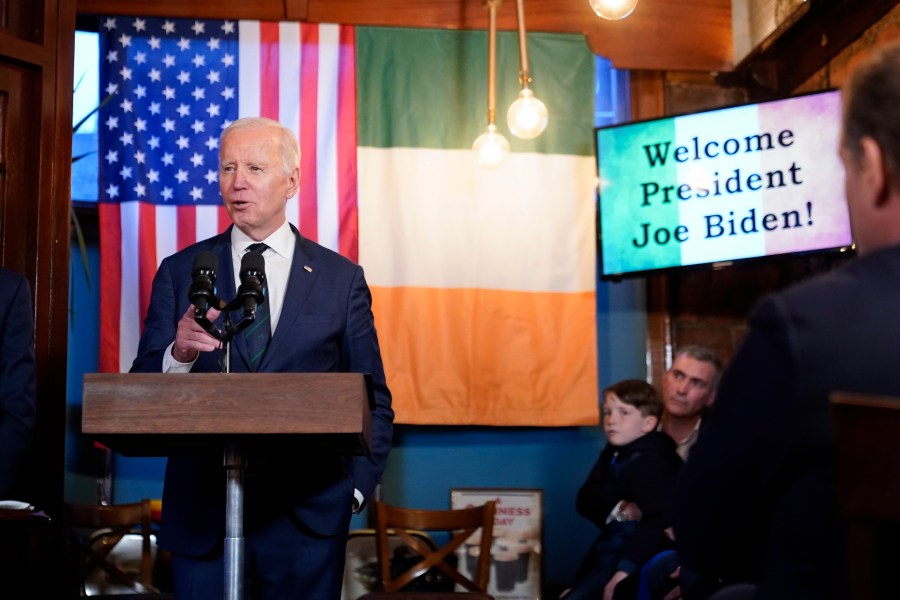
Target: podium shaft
234,523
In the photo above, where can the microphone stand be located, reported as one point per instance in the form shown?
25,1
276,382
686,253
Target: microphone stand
234,521
203,296
234,463
234,460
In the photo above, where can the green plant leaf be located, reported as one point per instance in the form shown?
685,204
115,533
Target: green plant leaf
75,159
76,224
90,114
79,235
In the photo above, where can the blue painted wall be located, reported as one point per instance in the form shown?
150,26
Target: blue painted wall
427,462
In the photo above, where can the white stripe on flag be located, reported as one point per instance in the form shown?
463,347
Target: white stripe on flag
248,65
506,228
166,232
288,75
130,316
207,221
326,144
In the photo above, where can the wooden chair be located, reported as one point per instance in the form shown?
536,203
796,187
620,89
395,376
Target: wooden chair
867,430
461,524
107,527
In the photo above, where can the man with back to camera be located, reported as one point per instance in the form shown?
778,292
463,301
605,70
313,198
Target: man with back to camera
757,500
296,509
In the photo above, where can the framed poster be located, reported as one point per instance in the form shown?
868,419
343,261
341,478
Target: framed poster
516,547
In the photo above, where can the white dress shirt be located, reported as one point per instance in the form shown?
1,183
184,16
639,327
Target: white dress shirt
278,256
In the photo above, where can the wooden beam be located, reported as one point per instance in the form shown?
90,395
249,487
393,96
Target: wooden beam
687,35
261,10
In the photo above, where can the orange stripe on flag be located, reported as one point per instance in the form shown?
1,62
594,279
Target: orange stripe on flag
502,358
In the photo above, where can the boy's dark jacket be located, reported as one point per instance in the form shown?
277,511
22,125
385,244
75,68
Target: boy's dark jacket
642,472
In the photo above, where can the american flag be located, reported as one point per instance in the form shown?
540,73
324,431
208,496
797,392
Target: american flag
174,84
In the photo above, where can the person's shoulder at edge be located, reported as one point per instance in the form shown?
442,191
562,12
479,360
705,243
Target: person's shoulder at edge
809,293
10,277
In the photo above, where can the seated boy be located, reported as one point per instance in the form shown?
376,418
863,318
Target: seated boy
637,467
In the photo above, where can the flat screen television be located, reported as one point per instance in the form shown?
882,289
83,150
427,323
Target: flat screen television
714,187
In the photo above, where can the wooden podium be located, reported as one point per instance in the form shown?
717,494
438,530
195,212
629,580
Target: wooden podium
229,414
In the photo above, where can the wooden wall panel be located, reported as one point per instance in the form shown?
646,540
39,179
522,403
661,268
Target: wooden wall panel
21,100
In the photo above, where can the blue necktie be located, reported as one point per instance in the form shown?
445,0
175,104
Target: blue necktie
260,331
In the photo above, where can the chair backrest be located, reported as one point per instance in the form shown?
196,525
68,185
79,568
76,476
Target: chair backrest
461,525
108,525
867,457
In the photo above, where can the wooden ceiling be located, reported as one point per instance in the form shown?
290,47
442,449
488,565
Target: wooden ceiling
690,35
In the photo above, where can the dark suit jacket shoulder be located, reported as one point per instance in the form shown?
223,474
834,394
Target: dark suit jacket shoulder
757,499
17,376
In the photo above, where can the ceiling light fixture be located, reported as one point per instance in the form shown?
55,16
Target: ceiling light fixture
491,147
527,116
613,9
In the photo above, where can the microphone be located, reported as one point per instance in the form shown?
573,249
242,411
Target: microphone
202,294
253,279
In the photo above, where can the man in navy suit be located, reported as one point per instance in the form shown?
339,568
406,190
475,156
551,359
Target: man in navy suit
297,509
757,501
17,401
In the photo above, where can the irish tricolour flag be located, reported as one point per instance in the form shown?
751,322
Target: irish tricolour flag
483,281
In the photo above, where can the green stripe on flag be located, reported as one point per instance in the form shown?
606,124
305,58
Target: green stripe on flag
425,88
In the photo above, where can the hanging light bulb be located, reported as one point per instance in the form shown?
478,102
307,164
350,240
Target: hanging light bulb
527,116
491,147
613,9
